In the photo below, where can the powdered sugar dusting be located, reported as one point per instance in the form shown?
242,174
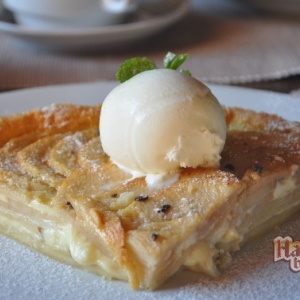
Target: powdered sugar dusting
53,114
253,274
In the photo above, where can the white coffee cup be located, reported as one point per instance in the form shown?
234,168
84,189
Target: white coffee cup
45,14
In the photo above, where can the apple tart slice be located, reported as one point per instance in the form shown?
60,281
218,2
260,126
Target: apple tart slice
61,195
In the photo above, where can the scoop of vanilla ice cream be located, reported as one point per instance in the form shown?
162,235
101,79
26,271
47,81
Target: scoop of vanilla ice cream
161,120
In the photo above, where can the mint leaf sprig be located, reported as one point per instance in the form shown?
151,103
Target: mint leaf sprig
173,61
136,65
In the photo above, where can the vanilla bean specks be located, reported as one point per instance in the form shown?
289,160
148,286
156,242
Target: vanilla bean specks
154,236
141,198
229,167
259,169
69,205
164,208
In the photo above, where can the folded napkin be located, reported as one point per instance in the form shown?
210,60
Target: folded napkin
227,42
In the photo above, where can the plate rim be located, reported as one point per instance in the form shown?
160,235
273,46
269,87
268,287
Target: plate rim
104,86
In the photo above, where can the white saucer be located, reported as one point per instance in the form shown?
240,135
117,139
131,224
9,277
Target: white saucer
106,37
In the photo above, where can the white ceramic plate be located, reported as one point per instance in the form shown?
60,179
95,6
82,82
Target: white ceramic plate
105,37
25,274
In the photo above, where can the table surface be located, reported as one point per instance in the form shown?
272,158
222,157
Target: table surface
207,17
285,85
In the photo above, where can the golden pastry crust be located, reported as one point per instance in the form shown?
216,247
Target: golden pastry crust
52,158
53,119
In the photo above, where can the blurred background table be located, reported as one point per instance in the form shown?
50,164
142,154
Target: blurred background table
284,85
229,43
